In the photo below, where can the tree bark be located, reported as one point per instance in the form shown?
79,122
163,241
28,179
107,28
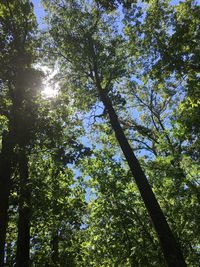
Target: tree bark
5,185
170,247
23,239
9,254
55,248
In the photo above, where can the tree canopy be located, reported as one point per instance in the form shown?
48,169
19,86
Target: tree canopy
104,171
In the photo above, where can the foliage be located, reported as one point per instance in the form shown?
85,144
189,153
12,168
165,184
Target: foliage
85,208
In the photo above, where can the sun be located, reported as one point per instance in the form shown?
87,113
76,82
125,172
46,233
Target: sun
49,91
50,88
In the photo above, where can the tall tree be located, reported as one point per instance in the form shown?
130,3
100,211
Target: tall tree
19,84
91,48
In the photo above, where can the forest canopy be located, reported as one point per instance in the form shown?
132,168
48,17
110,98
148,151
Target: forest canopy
99,133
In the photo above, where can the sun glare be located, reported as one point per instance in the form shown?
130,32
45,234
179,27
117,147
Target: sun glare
50,86
49,91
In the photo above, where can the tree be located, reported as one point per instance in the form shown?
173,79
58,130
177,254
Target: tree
57,196
128,97
58,209
18,82
85,44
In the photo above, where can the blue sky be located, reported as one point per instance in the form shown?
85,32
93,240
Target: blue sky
39,12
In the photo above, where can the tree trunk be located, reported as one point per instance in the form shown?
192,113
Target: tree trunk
23,239
170,248
9,254
55,248
5,185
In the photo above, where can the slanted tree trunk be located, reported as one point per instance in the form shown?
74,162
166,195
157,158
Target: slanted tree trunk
170,247
6,157
23,239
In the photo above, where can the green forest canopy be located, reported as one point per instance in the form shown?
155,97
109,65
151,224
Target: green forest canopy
99,134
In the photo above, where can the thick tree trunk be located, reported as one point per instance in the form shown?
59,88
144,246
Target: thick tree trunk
5,185
23,239
170,248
